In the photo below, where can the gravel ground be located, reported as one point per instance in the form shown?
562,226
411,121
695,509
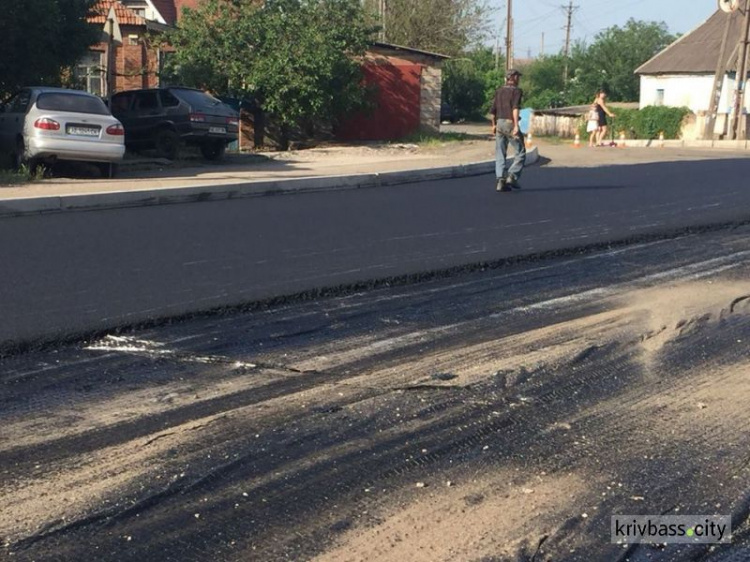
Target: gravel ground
499,416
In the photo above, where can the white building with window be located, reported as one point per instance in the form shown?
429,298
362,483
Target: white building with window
682,75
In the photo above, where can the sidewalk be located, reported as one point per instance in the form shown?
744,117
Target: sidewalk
248,175
326,168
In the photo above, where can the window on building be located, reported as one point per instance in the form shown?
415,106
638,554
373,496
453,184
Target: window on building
89,72
659,97
138,6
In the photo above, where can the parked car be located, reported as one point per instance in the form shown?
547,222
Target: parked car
163,118
42,125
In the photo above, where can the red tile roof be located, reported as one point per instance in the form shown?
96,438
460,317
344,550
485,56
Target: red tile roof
125,16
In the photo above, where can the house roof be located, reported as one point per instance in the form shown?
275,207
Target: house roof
125,16
697,52
166,9
392,47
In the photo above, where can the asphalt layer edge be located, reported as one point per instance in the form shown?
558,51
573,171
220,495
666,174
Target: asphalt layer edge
10,348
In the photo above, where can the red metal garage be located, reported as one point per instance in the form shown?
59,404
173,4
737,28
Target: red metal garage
407,85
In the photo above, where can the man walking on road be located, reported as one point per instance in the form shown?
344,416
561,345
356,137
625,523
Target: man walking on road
505,112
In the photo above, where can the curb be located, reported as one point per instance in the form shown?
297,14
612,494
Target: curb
678,143
202,193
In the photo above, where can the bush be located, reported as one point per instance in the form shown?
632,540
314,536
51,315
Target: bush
646,123
546,99
651,120
493,79
463,89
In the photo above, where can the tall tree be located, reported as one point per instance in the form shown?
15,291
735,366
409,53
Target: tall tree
612,58
39,39
295,58
445,26
543,82
463,88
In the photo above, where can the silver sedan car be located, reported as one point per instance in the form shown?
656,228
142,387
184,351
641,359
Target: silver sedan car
42,125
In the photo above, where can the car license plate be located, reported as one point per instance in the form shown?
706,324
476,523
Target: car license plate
83,131
217,130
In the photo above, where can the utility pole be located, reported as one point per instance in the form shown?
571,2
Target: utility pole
741,76
541,47
497,49
721,71
509,38
570,8
111,60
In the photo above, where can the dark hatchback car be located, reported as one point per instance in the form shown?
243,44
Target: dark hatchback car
164,118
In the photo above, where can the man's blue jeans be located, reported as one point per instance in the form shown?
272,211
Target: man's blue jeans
503,137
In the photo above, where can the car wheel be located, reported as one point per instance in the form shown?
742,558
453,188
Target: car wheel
108,170
213,150
167,144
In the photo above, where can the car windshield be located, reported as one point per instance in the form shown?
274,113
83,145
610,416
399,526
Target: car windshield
196,98
75,103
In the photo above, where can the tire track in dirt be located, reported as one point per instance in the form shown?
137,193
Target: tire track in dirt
381,423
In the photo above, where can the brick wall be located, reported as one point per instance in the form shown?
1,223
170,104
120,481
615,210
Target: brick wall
135,63
429,110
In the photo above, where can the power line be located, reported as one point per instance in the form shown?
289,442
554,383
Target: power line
537,19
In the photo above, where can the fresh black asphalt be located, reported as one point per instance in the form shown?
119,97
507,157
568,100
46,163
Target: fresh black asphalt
79,272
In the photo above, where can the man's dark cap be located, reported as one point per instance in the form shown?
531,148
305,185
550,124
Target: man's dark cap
512,72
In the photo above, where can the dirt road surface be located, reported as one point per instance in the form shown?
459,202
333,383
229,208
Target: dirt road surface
502,415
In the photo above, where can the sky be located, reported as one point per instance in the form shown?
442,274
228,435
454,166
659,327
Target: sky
534,17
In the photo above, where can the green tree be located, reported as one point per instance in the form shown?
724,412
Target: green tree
40,39
296,58
463,88
444,26
484,59
470,81
612,58
543,83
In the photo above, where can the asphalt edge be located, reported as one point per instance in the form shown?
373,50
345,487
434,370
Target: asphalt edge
10,348
203,193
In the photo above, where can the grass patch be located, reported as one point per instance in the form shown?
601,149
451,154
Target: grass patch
21,176
434,139
8,177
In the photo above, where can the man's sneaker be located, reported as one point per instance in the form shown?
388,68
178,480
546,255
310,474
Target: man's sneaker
501,185
512,182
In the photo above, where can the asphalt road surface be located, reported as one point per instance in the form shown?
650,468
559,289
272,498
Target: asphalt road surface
76,272
495,416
